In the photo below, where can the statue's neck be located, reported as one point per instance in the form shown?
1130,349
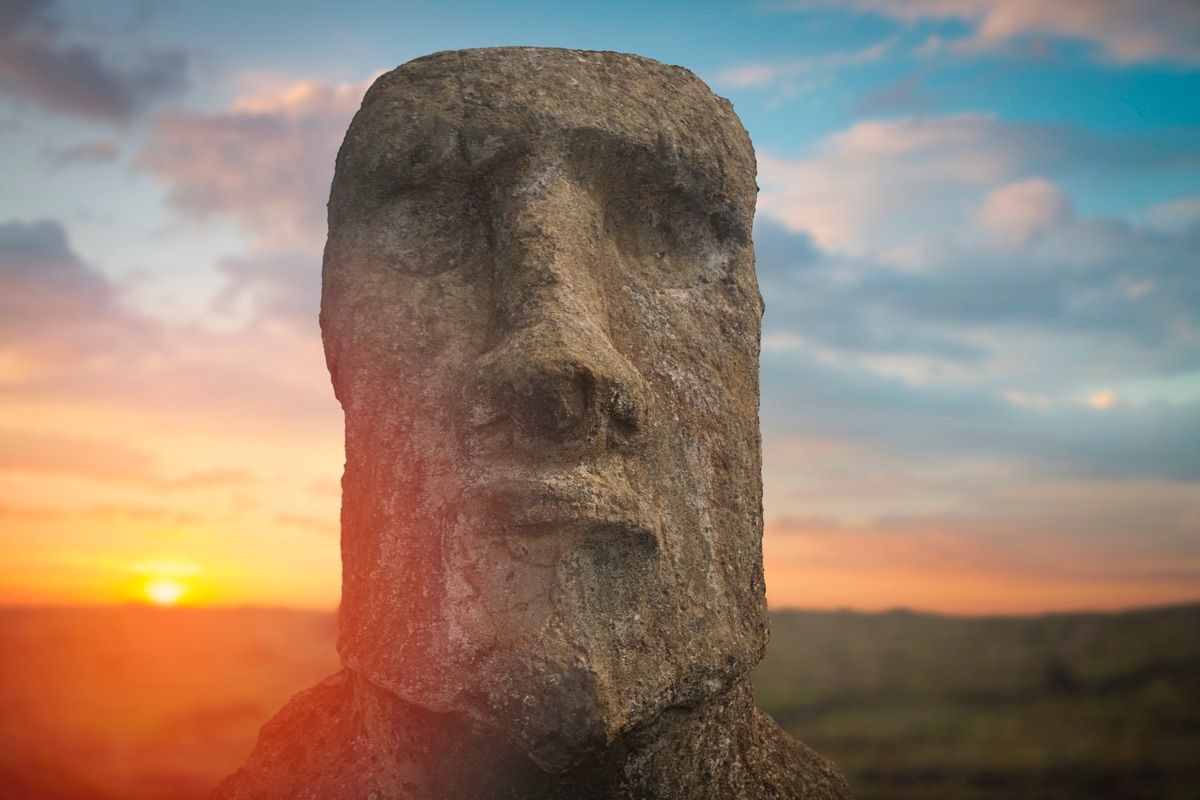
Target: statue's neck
443,755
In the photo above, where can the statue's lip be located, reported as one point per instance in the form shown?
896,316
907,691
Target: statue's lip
545,506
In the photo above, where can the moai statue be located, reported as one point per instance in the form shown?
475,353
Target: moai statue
541,317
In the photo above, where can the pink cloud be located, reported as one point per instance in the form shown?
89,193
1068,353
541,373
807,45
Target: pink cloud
266,161
1017,211
880,181
1126,32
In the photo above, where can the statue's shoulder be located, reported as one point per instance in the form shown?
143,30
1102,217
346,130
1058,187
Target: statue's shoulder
300,749
788,768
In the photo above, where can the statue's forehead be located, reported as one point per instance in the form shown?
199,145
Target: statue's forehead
572,87
473,104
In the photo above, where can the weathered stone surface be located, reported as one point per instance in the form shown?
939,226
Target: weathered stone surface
347,738
542,321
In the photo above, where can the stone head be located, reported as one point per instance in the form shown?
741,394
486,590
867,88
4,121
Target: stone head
541,318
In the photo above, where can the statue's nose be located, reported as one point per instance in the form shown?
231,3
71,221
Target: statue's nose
552,372
543,386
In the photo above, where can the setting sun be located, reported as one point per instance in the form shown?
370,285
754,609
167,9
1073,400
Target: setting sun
165,592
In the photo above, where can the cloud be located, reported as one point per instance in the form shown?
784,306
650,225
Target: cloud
56,309
40,62
1123,32
106,512
1103,400
68,338
1093,276
1013,351
71,454
1064,545
813,301
324,525
59,454
89,384
863,183
98,151
903,95
216,433
970,421
270,284
208,478
972,298
266,162
889,183
1174,215
788,74
1017,211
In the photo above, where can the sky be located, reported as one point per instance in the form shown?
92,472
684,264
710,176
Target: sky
978,232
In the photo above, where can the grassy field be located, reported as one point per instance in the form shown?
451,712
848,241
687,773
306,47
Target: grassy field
141,704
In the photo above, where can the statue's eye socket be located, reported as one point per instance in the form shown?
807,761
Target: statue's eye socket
427,232
663,230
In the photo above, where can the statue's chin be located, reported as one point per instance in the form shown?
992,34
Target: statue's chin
559,644
551,709
554,710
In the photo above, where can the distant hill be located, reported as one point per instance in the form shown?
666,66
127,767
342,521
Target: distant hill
1057,706
149,704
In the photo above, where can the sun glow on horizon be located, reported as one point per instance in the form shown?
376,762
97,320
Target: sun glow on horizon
165,591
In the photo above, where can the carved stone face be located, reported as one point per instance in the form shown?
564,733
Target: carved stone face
542,321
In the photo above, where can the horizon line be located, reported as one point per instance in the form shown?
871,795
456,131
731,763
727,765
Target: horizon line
333,611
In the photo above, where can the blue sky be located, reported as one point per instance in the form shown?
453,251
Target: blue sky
978,231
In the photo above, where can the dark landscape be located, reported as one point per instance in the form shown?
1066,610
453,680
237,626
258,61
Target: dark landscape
139,703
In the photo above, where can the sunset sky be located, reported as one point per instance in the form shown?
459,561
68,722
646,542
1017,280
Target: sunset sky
978,239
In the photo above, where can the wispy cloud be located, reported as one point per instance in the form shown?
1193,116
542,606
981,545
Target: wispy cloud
789,74
1173,215
58,454
97,151
904,95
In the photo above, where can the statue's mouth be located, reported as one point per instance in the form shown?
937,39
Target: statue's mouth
556,505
